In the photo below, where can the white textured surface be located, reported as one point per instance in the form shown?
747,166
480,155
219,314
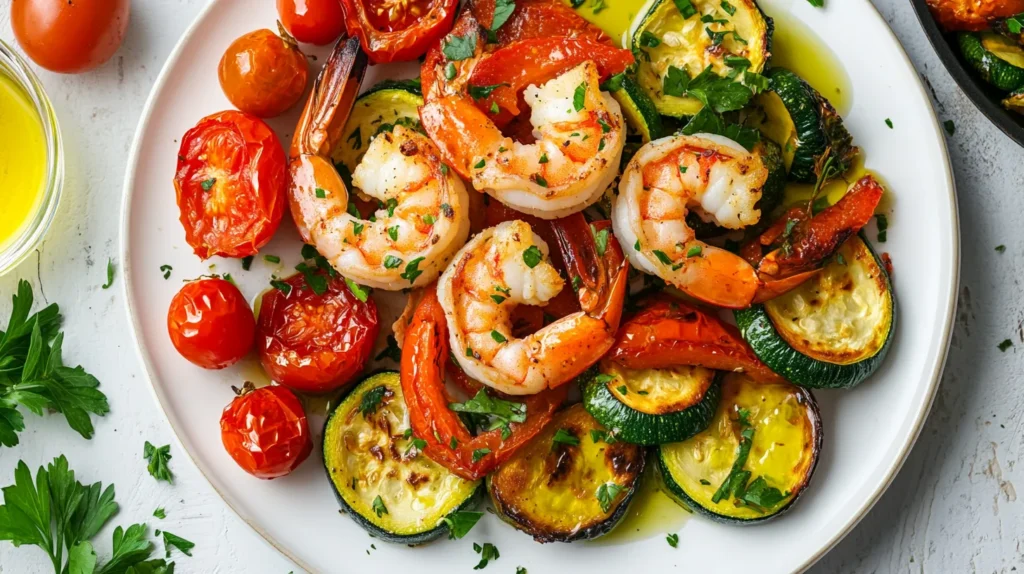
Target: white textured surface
952,508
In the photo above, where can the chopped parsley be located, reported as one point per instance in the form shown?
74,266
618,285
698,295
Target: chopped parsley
672,539
320,193
543,158
817,3
649,40
480,453
599,435
607,493
246,263
480,164
360,292
579,96
371,400
158,461
693,251
600,239
501,412
357,228
166,269
662,256
532,256
208,184
685,8
281,286
160,513
393,232
487,553
614,83
356,139
461,522
714,91
498,337
416,444
729,8
449,71
888,122
481,92
540,180
1006,344
391,351
392,262
457,48
378,507
271,258
502,11
110,274
175,541
950,127
563,436
883,225
412,270
623,390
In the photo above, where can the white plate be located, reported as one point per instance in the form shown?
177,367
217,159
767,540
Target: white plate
868,431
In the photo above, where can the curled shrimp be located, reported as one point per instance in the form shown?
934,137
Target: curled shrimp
722,182
507,265
579,132
423,218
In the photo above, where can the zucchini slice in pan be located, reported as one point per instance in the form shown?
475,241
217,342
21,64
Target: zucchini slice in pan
710,32
652,406
834,330
389,488
641,115
557,491
804,123
386,104
755,459
998,60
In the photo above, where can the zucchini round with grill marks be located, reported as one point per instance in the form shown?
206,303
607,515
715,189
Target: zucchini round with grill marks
388,103
652,406
804,123
755,459
834,330
379,476
709,33
641,115
998,60
571,482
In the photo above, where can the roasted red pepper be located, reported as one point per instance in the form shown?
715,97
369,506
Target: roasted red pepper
398,31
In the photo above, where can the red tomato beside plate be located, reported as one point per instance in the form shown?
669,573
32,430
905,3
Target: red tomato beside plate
211,324
265,431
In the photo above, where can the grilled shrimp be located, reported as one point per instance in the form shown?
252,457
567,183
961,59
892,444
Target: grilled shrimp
423,217
579,133
507,265
710,175
721,182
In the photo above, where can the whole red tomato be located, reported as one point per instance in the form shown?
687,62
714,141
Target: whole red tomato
317,22
398,31
265,431
263,74
231,183
315,342
69,37
211,324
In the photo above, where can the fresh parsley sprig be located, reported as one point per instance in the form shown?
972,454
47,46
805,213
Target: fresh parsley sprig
33,374
60,515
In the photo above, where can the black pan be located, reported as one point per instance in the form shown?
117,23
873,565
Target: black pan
984,96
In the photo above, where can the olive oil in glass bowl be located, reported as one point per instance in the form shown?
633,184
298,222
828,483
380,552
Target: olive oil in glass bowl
31,160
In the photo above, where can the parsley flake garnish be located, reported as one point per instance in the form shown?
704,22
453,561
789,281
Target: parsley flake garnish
607,493
563,436
532,256
461,522
158,461
378,507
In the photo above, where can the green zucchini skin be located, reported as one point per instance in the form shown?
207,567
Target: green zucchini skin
819,126
639,110
471,501
758,330
412,86
990,67
633,426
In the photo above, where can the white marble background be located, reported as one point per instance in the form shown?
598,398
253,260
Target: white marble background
953,507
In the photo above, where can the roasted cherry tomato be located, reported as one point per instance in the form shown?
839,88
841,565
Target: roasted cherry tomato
315,342
263,74
211,324
231,182
317,22
69,37
538,19
265,431
392,31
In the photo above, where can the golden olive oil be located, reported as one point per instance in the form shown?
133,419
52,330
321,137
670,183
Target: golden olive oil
651,512
612,16
22,160
796,47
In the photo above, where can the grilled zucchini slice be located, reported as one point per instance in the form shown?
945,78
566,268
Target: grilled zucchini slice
393,491
777,425
804,123
652,406
561,492
998,60
707,36
1015,102
834,330
641,116
388,103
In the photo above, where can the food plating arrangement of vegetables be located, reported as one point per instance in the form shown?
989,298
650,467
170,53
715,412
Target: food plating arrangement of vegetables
620,253
991,39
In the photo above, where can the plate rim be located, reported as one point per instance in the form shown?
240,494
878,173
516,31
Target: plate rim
881,485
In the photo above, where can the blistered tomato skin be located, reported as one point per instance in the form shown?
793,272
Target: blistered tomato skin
263,74
317,22
315,343
211,324
265,431
231,185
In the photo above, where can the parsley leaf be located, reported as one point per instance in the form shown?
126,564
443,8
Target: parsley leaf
175,541
1006,344
579,96
673,540
759,494
481,92
502,11
599,435
110,274
378,507
158,459
817,3
502,412
360,292
563,436
457,48
600,239
412,270
160,513
607,493
532,256
487,553
707,121
461,522
685,8
950,127
371,400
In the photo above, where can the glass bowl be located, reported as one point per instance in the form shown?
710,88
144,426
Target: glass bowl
17,69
